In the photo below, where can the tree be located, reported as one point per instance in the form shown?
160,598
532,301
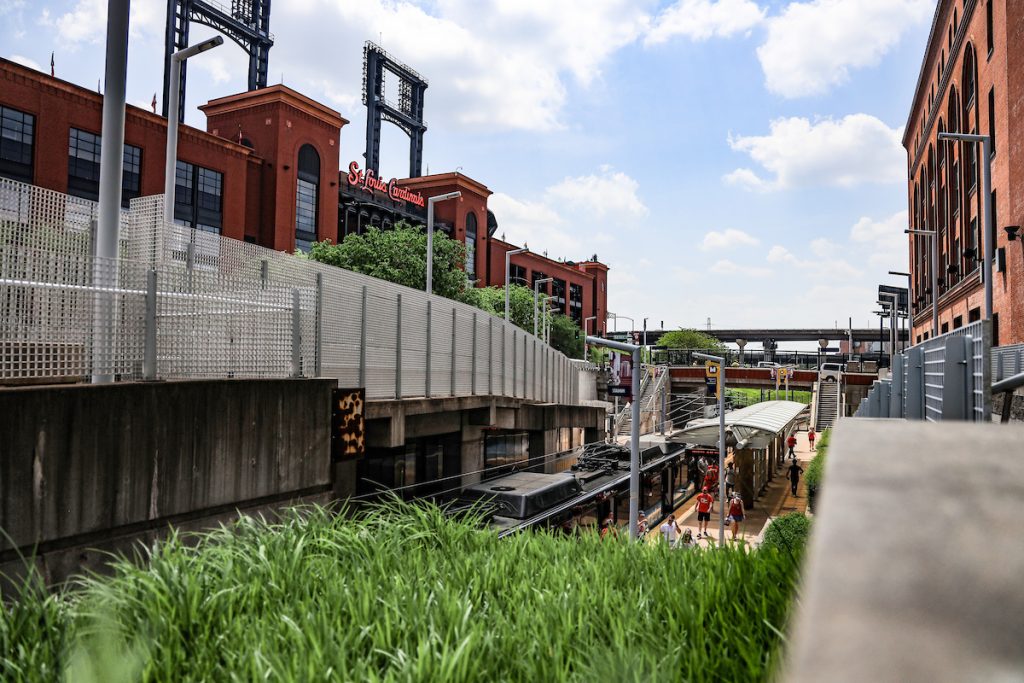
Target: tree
399,255
690,339
492,300
566,336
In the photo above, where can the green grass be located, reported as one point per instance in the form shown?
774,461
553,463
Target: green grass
816,470
401,593
755,394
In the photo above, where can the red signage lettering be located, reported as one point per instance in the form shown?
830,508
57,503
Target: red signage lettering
368,180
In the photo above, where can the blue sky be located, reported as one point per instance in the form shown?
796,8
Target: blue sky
732,159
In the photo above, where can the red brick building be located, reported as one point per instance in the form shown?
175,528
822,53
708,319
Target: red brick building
267,170
971,81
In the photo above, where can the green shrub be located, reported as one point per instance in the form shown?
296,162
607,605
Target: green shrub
788,534
404,593
816,470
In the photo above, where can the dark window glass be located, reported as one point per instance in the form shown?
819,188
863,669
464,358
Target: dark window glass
992,118
307,195
517,275
537,275
558,293
506,450
988,26
84,167
995,224
471,227
17,135
576,303
197,197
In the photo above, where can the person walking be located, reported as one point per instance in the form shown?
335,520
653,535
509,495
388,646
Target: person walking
705,506
736,513
686,540
791,442
670,531
810,438
711,480
730,479
794,475
641,523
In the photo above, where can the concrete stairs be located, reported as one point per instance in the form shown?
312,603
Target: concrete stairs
827,405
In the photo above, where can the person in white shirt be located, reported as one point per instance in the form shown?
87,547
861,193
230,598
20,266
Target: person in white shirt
670,531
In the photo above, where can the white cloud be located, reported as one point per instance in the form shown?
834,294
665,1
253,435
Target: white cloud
573,215
728,238
779,254
825,264
607,195
727,267
26,61
703,19
812,46
87,21
853,150
492,63
885,238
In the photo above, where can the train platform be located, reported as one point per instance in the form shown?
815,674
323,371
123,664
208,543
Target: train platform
774,502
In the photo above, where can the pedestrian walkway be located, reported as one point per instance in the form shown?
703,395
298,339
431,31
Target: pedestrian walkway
774,502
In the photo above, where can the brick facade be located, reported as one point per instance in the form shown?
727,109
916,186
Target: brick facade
254,140
972,81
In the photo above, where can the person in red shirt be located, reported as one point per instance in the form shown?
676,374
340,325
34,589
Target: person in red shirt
736,513
705,506
791,442
711,479
810,438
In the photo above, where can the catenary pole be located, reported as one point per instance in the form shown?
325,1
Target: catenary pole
634,430
111,160
721,441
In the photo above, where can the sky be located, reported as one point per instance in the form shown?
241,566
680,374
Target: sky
731,160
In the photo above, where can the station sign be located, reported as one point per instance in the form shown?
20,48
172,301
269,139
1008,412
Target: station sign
621,382
368,181
712,377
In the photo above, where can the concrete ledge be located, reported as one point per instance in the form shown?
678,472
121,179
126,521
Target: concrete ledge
917,560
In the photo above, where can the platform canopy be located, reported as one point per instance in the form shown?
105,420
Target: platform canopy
757,424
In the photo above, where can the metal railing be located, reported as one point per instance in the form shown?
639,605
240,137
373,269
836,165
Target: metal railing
191,304
948,377
801,360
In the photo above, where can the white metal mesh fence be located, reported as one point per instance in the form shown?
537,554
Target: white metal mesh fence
181,303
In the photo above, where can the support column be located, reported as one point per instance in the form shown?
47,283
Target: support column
543,442
744,459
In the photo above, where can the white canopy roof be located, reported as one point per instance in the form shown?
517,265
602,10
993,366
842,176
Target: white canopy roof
757,424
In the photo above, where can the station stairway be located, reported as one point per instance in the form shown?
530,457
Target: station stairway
651,387
828,405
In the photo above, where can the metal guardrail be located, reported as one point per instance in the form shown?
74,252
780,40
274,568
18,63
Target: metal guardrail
948,377
190,304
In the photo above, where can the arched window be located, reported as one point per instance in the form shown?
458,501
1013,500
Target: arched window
307,197
471,245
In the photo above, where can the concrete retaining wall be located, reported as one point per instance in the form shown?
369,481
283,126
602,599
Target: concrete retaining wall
100,466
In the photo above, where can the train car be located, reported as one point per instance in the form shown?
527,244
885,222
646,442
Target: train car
596,487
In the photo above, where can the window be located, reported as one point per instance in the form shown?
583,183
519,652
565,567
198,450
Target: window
84,167
958,322
992,118
537,275
471,245
974,315
17,135
576,303
945,328
988,27
517,275
197,197
995,223
307,196
558,294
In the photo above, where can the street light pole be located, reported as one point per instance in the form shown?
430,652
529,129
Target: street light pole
586,332
986,184
430,234
935,275
721,440
535,300
508,266
634,431
173,115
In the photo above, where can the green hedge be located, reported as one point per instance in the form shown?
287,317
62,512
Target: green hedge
403,593
788,534
816,470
